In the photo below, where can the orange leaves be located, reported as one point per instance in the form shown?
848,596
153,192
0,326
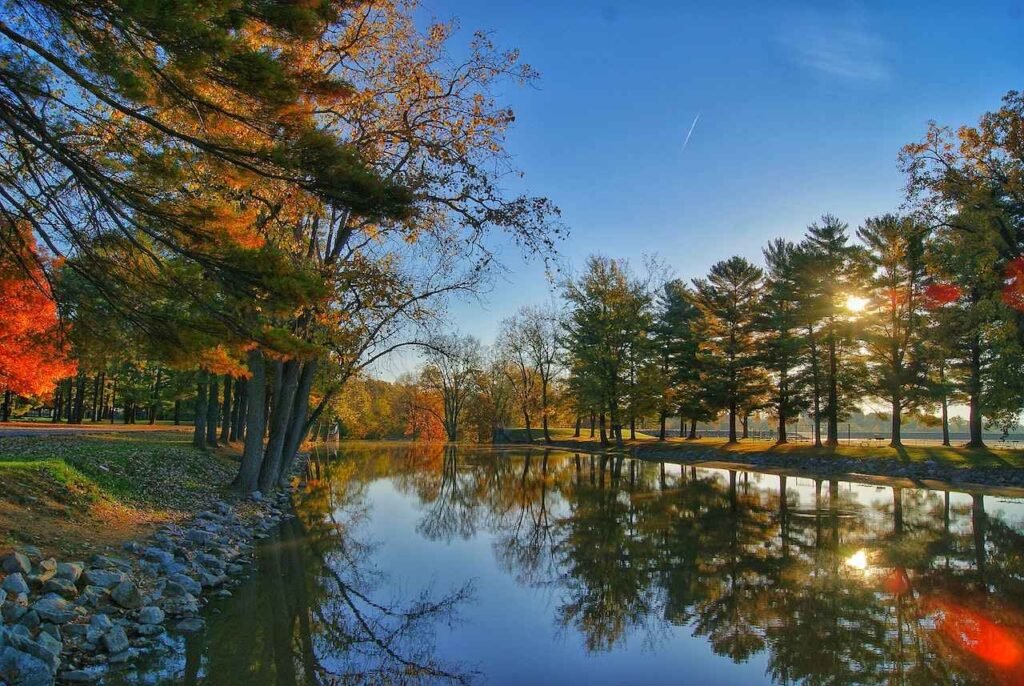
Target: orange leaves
973,631
221,360
33,351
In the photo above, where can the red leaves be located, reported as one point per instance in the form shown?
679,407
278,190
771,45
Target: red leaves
939,294
1013,290
33,353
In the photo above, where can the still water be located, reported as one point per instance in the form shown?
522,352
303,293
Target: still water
434,564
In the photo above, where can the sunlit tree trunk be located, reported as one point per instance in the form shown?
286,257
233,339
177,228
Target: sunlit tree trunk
252,454
212,410
199,435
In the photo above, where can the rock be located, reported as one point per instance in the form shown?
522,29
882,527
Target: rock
208,580
15,562
180,605
12,612
199,536
30,619
103,578
115,640
127,595
49,650
70,571
149,629
53,630
79,676
151,615
15,583
256,496
54,609
191,625
108,561
31,670
98,625
92,595
185,582
123,656
61,586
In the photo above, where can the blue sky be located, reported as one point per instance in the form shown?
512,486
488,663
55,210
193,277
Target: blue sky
803,110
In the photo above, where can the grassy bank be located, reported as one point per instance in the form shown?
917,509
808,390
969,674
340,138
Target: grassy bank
719,448
75,494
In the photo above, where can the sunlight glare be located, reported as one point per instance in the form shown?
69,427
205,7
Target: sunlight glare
859,560
855,303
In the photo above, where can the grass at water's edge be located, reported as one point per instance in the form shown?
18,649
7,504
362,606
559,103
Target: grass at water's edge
72,494
951,456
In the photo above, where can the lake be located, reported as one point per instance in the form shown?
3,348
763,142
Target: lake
437,564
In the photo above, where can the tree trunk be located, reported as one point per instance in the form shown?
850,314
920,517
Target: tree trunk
78,412
632,428
238,433
300,423
95,397
895,437
212,410
833,394
593,422
782,429
280,415
225,412
579,422
177,411
661,430
199,433
5,415
113,398
529,433
732,422
155,400
693,430
252,455
945,403
544,425
745,423
974,390
604,434
58,399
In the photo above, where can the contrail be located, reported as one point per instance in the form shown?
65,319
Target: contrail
690,132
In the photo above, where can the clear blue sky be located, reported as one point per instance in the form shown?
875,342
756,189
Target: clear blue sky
803,110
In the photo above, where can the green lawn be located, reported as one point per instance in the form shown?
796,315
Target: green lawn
152,469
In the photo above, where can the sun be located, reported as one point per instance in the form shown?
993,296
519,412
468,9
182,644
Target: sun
856,304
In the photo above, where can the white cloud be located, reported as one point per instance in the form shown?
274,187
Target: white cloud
837,45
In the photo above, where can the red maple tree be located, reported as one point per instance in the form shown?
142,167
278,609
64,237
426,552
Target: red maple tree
33,351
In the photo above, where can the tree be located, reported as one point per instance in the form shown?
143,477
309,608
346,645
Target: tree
896,358
453,364
782,345
675,339
33,346
518,365
603,325
727,299
833,273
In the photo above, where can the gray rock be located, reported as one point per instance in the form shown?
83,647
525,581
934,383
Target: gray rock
98,626
208,580
15,583
60,586
92,595
103,578
180,605
191,625
149,629
16,562
115,640
79,676
54,609
123,656
12,612
186,582
199,537
257,496
31,670
127,595
70,571
151,615
108,561
30,620
53,630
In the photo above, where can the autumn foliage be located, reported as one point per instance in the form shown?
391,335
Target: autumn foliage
33,355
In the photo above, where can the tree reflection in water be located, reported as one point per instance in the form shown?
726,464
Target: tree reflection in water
312,612
896,585
633,550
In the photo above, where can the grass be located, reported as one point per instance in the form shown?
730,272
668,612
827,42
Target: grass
77,492
952,456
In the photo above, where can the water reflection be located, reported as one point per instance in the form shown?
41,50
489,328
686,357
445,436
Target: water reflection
605,570
317,610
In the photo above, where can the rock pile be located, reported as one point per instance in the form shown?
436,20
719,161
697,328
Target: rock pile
68,621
